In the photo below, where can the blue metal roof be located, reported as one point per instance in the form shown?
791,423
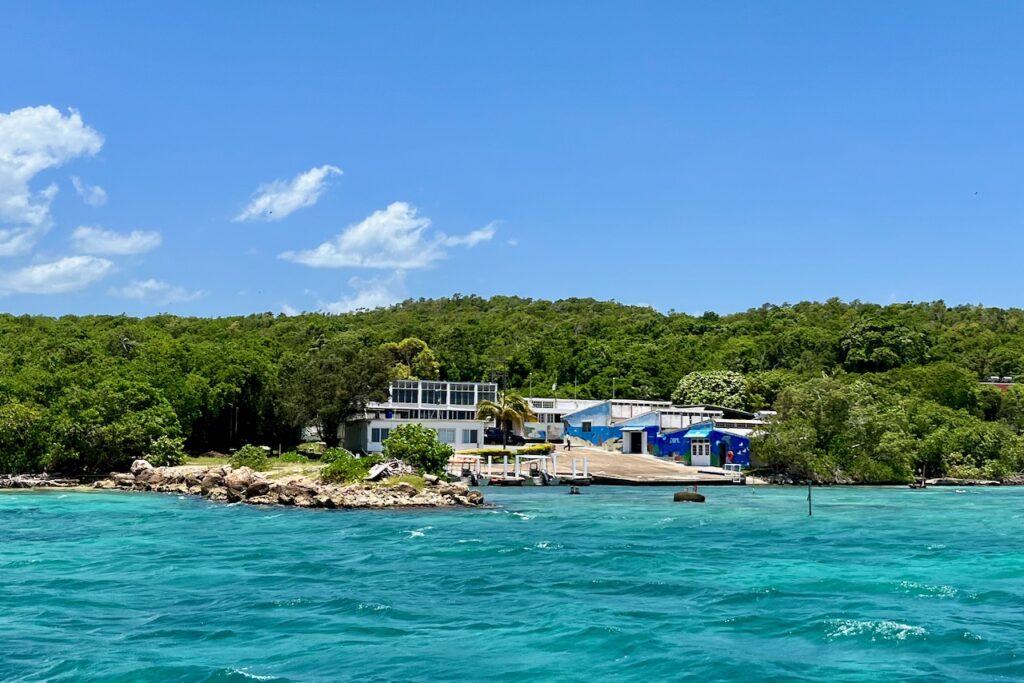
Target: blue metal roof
702,433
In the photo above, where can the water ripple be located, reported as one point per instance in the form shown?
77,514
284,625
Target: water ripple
616,584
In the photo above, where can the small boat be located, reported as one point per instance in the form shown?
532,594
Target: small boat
575,481
506,481
920,482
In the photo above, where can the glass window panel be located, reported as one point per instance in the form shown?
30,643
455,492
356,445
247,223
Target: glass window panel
405,391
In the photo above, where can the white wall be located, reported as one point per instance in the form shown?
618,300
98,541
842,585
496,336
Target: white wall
459,426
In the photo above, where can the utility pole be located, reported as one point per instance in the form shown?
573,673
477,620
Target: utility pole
810,511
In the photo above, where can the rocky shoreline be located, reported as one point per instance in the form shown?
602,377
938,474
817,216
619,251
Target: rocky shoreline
243,485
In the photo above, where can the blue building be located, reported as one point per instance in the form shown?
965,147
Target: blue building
603,422
653,427
705,444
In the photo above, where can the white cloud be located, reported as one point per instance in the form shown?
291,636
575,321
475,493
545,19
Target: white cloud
274,201
93,195
369,294
289,310
33,140
90,240
156,291
473,238
512,242
393,238
65,275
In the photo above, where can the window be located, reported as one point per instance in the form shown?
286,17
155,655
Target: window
435,393
469,436
700,448
488,392
446,435
587,426
405,391
378,434
463,395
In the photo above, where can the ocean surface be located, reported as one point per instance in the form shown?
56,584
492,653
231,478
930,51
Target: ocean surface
880,584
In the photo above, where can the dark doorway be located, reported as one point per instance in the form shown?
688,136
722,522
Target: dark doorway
722,449
636,442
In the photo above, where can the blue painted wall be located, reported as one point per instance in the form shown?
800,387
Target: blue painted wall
675,444
599,417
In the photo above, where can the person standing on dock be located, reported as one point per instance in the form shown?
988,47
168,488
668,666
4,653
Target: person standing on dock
568,444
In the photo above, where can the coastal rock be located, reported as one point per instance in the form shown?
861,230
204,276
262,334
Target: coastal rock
258,487
238,480
952,481
688,497
213,479
122,480
407,489
245,485
139,466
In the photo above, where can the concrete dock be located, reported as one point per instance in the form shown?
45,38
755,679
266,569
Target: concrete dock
622,469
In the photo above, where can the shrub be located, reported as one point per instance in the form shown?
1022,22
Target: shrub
293,456
418,446
345,467
166,451
311,448
250,456
333,454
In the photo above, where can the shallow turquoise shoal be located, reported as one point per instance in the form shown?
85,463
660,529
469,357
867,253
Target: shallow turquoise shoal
881,584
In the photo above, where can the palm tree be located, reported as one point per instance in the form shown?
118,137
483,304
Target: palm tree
510,409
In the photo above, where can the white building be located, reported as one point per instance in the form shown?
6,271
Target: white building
549,411
446,407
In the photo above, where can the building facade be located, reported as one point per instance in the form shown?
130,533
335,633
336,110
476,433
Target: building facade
550,411
449,408
611,420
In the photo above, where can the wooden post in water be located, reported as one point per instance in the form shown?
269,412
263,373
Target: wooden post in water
810,510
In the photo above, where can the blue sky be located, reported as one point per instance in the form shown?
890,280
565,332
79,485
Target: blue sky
244,157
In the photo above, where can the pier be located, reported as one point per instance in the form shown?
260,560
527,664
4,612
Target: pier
598,467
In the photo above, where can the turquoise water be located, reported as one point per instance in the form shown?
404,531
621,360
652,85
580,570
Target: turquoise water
616,584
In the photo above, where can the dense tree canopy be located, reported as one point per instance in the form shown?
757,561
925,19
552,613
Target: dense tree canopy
91,392
717,387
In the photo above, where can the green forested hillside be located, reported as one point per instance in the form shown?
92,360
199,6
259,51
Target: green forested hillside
92,392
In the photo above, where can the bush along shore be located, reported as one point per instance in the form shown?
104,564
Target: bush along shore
244,485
